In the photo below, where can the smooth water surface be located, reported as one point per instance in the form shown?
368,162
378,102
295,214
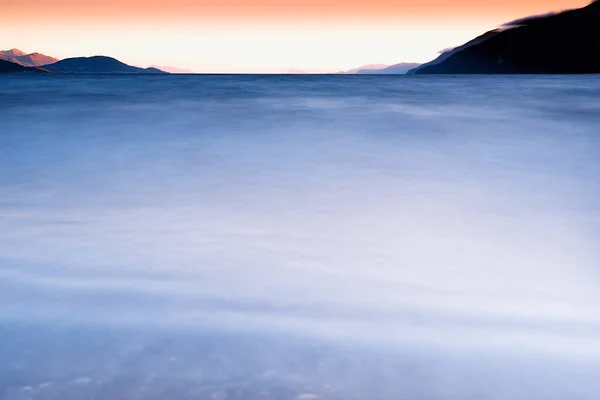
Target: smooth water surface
299,237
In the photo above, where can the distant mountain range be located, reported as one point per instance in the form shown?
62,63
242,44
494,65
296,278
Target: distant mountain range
382,69
559,43
368,67
27,60
396,69
15,60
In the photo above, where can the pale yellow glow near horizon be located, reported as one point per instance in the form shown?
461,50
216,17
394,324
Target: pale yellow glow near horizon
266,48
257,35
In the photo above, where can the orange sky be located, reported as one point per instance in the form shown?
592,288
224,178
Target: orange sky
256,35
267,9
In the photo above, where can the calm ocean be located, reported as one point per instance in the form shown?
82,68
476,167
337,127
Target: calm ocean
300,237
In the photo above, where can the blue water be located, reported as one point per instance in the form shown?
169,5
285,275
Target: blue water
299,237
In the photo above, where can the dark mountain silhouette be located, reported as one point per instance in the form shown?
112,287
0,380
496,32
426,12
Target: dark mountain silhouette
8,66
447,53
528,20
97,65
562,43
27,60
154,70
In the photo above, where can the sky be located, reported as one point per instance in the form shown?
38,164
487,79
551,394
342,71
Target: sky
256,35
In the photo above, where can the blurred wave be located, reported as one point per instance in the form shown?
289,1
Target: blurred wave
449,223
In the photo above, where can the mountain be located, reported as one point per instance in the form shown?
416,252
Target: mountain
8,66
27,60
97,65
368,67
12,53
446,54
396,69
382,69
35,60
561,43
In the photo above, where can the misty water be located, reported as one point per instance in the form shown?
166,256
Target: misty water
299,237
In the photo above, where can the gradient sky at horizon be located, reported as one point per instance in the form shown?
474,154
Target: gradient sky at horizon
256,35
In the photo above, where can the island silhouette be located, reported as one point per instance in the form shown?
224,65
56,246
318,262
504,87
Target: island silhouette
98,65
15,60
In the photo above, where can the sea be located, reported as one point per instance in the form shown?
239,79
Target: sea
317,237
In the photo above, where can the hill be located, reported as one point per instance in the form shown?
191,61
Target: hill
97,65
11,53
396,69
368,67
382,69
27,60
561,43
35,60
8,66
